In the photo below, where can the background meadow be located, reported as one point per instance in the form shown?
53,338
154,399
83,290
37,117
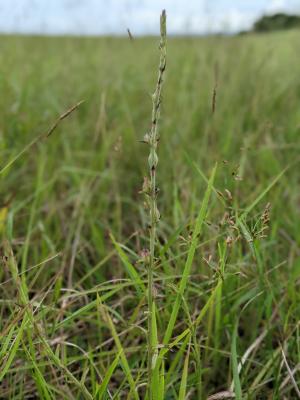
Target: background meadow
73,224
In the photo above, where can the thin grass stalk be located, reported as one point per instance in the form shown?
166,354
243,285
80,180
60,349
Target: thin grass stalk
150,189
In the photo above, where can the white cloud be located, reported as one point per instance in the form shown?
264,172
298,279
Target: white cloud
276,6
291,6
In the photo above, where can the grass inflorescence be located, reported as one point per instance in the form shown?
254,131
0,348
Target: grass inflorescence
150,190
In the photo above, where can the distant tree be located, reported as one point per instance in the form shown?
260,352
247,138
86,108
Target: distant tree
276,22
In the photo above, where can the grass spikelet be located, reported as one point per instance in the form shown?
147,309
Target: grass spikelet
150,189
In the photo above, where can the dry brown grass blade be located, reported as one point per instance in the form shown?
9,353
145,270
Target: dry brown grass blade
215,89
253,347
286,380
40,137
130,34
290,373
227,394
62,117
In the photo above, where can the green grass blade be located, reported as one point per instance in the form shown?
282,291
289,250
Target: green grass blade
161,388
7,341
187,268
40,380
85,309
234,362
247,235
196,167
263,193
119,346
178,357
207,305
131,271
103,387
14,348
218,303
155,381
57,361
183,383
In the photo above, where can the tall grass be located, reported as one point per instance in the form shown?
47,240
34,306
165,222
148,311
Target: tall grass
221,318
151,191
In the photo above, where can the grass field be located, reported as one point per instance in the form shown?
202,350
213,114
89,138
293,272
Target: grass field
74,227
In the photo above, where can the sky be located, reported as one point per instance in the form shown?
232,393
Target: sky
97,17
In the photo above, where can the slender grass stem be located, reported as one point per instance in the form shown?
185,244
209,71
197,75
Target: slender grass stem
150,189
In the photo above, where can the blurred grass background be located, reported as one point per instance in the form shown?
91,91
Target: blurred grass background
69,191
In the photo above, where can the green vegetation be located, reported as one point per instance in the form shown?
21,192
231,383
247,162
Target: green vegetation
275,22
75,239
